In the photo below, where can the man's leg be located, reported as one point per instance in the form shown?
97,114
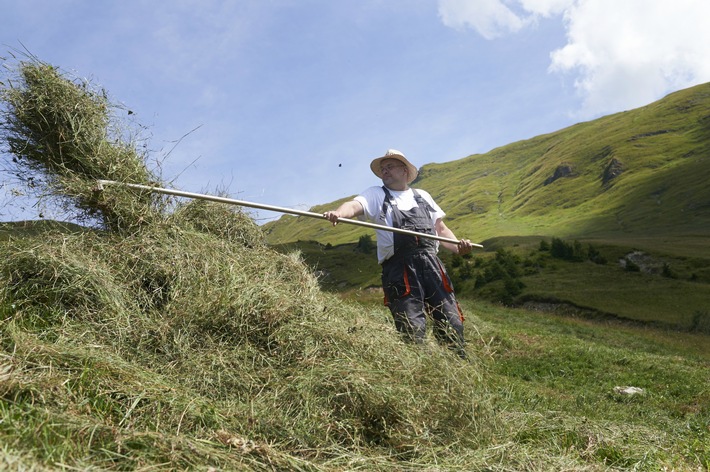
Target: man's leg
409,319
404,299
448,325
445,310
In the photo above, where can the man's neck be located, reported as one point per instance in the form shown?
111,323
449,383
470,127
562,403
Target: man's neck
398,188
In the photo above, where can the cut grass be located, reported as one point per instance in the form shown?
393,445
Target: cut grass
547,383
63,134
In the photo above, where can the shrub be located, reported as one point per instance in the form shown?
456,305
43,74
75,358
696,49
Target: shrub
701,322
366,244
666,271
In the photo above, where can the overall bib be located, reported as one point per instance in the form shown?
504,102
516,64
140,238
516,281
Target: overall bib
415,282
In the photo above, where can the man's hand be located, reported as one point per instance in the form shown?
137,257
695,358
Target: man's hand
464,246
332,216
346,210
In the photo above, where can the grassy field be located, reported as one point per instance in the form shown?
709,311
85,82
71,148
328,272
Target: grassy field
562,373
674,298
232,358
558,369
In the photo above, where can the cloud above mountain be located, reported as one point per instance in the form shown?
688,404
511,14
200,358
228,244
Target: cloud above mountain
619,54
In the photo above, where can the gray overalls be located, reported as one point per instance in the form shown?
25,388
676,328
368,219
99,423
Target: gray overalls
415,282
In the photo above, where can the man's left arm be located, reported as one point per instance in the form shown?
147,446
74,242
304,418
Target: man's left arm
463,247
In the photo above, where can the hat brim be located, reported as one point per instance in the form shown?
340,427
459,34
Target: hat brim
412,170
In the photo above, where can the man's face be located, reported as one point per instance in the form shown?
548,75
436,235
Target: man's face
394,174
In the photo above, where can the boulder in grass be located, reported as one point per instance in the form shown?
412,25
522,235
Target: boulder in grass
630,391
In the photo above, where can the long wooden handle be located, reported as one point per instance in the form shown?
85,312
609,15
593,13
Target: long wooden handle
261,206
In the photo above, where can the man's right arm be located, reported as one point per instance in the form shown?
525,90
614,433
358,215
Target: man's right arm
348,210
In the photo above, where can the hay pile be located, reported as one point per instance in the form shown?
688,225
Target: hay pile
63,135
178,340
171,329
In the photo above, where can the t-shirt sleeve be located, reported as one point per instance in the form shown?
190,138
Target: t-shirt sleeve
371,200
438,212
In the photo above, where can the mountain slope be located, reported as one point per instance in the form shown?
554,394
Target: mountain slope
639,172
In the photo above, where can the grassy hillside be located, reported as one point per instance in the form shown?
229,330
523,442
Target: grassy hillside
638,173
633,182
666,291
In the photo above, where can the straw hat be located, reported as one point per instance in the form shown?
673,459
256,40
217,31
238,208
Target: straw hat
394,154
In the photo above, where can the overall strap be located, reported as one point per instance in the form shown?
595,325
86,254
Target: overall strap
389,201
423,204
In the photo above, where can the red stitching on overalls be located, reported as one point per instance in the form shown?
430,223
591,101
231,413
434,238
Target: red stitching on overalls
408,289
447,285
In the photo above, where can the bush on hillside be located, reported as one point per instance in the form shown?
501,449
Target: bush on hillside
366,244
701,322
572,252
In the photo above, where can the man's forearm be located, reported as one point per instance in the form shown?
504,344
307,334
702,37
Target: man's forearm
463,247
347,210
350,209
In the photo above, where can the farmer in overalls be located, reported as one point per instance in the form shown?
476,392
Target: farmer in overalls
414,280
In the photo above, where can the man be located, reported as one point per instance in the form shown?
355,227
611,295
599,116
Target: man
414,280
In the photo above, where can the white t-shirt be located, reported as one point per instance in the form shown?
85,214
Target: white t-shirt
372,200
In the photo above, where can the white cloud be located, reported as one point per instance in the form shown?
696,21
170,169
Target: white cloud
631,52
490,18
546,7
621,53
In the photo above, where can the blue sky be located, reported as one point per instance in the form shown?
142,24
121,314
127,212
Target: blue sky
285,102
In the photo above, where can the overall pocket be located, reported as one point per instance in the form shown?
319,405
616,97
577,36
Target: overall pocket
395,281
